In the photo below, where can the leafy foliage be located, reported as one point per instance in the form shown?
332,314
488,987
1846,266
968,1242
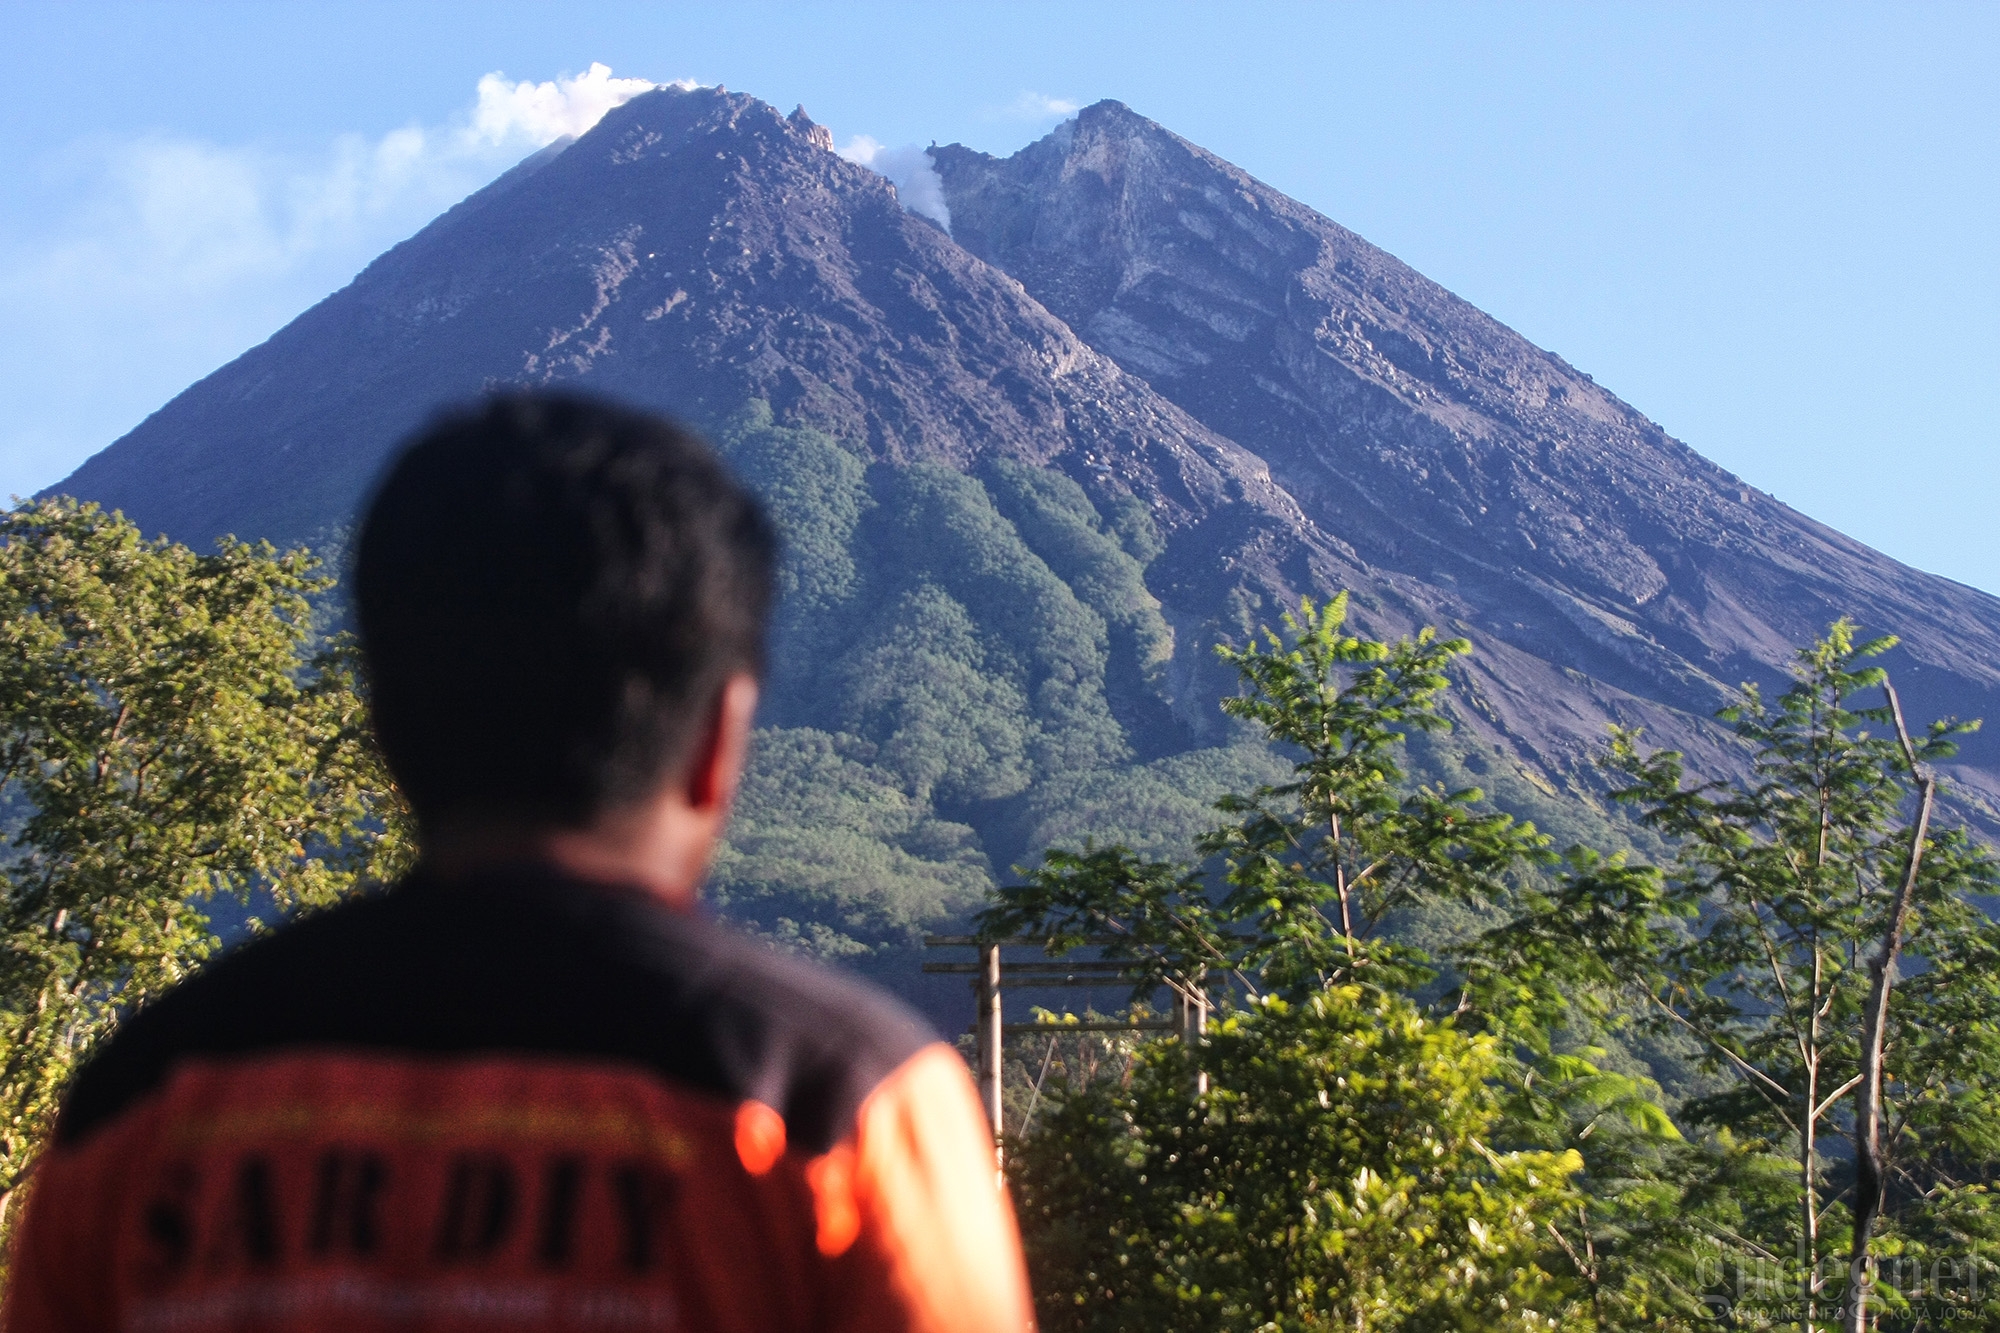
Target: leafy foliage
828,854
952,642
1157,809
1261,1203
1754,940
1340,1173
1056,519
1312,867
816,493
166,740
1154,1204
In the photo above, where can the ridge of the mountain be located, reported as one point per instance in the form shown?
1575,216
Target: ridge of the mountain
1505,489
694,251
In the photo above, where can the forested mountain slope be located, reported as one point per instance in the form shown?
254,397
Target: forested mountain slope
1030,475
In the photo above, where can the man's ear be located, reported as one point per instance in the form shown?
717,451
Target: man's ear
717,763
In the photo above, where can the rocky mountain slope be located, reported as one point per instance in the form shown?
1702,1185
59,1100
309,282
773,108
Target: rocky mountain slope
1032,470
696,250
1488,481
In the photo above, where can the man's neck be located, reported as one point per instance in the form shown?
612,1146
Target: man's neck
661,843
661,847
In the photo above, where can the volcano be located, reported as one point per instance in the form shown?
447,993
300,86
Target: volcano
1032,469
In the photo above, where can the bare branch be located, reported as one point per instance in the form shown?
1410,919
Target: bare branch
1757,1076
1799,1037
1835,1096
1902,731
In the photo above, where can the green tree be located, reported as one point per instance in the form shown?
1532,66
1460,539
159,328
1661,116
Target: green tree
1348,841
166,740
1770,939
829,855
1341,1172
1313,867
1264,1198
1056,519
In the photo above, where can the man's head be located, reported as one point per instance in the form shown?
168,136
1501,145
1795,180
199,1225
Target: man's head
555,595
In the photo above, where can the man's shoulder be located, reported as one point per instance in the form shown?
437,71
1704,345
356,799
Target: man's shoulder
525,962
224,1009
795,1034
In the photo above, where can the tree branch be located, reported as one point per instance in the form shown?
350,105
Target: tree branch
1868,1181
1835,1096
1757,1075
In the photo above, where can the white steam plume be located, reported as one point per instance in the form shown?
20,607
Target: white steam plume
541,113
910,169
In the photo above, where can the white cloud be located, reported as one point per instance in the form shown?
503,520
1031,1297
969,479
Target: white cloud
183,213
910,169
541,113
174,254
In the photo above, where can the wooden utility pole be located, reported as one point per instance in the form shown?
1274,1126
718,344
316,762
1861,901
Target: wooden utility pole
989,1039
1191,1022
990,1028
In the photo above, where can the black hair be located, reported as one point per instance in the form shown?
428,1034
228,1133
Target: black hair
552,591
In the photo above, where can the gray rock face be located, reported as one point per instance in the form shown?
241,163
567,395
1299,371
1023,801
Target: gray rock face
1484,480
1298,411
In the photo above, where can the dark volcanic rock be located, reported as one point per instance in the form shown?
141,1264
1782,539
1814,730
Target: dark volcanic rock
1487,480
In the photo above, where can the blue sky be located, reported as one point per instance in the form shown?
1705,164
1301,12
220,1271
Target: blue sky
1770,227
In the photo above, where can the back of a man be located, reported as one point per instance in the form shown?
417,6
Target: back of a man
531,1087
